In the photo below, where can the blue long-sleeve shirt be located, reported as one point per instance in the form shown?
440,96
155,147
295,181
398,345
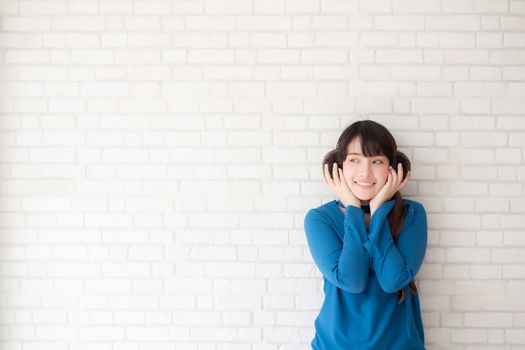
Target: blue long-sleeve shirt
362,269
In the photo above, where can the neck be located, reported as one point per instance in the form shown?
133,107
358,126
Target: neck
365,202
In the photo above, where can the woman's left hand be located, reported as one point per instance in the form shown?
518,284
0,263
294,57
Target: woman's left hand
393,184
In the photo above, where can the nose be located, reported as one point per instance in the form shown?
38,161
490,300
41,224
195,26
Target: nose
365,169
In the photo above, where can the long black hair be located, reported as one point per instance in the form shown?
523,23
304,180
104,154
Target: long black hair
375,140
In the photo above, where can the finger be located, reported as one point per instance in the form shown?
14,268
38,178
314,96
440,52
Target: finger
336,174
394,175
405,181
341,176
397,177
392,181
400,170
391,174
327,176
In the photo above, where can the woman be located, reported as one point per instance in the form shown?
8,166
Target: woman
369,244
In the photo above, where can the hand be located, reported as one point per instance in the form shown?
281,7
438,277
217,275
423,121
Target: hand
393,184
339,186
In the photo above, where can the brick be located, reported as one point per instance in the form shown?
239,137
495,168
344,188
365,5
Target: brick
513,40
513,73
398,56
456,40
82,7
310,56
507,255
152,7
468,255
485,73
461,23
434,89
238,302
148,40
26,24
513,271
491,6
507,57
489,40
77,23
326,23
513,336
435,105
269,7
462,7
481,139
416,73
468,336
42,8
511,23
400,23
472,56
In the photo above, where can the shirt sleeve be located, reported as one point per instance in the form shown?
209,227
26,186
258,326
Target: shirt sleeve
344,263
397,264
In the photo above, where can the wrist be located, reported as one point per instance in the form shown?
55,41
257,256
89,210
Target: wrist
375,206
353,204
347,204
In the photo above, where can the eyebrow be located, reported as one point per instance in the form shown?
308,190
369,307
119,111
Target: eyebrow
360,154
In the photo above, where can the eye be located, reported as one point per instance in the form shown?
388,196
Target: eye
378,161
352,160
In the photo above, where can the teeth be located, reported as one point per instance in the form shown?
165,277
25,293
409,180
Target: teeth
364,183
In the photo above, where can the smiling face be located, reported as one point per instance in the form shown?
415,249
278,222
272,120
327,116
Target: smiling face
365,175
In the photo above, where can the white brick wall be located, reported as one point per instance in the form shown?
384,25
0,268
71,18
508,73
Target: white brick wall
157,159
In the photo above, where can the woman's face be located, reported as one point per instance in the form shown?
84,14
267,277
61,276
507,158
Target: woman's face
365,176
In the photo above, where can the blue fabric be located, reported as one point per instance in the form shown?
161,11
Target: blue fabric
362,269
365,208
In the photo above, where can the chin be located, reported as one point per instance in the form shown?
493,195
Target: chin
365,198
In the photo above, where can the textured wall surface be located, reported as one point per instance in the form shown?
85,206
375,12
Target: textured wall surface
157,159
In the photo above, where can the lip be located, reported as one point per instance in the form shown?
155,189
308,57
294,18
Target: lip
365,187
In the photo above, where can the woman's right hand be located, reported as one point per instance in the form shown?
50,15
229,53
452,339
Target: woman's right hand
339,186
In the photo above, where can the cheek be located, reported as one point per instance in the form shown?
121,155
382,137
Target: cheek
383,175
348,170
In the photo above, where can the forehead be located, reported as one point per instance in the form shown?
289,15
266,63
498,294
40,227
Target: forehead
355,147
